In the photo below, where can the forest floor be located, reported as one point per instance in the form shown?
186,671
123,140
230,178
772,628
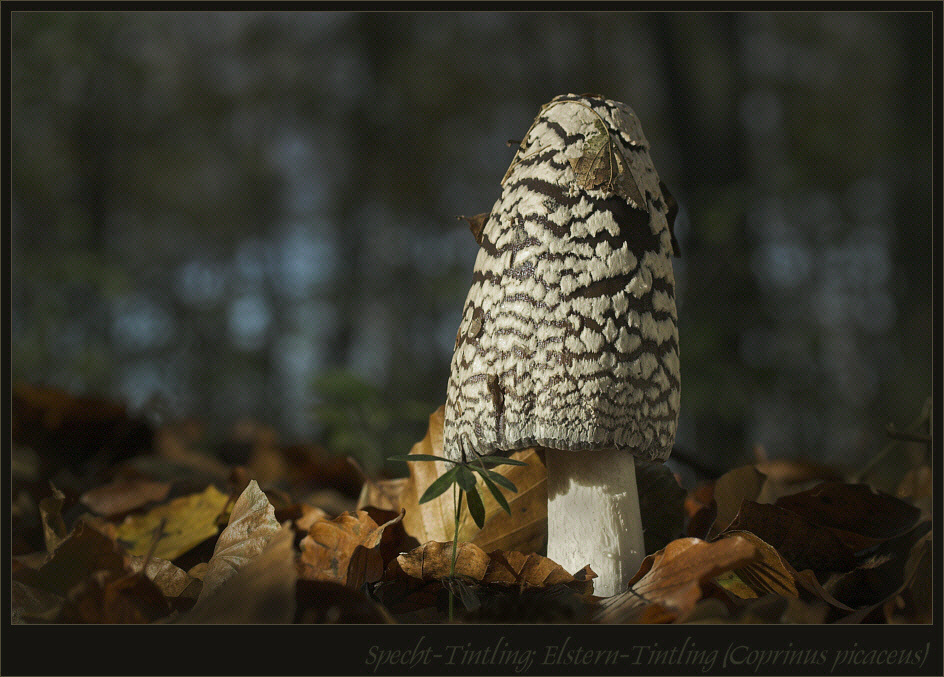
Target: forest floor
117,521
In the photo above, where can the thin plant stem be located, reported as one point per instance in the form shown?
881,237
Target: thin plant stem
457,505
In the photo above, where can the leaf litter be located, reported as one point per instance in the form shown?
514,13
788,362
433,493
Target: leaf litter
260,532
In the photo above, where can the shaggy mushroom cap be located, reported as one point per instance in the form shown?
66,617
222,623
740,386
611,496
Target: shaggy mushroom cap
569,338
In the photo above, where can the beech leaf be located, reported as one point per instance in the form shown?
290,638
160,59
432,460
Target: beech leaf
125,495
669,582
855,508
251,524
732,489
85,550
432,561
190,521
262,591
345,550
801,542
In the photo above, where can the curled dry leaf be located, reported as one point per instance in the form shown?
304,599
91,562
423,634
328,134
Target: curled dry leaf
394,539
251,524
432,561
532,571
770,573
883,575
190,521
124,495
345,550
671,580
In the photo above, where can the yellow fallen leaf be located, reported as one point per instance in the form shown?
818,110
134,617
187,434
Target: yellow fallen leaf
190,521
733,584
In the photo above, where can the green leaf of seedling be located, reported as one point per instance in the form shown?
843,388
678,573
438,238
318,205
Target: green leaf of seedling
499,479
476,509
465,478
440,485
409,458
499,460
496,492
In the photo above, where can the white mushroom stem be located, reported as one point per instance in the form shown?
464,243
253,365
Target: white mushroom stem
593,516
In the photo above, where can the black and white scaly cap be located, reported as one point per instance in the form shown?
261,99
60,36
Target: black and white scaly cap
569,337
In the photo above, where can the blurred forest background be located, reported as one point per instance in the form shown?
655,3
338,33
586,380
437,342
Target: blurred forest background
253,214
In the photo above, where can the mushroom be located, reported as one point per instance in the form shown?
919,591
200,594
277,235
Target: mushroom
568,339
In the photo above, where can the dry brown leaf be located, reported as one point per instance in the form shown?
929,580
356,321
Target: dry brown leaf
32,605
881,576
772,574
853,508
50,512
115,598
327,602
603,167
769,573
673,578
523,530
795,471
383,494
802,543
730,490
917,489
251,524
477,225
261,592
309,516
432,561
394,539
345,550
85,550
124,495
170,579
529,570
914,602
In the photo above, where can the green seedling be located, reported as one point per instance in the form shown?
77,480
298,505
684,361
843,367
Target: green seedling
461,479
